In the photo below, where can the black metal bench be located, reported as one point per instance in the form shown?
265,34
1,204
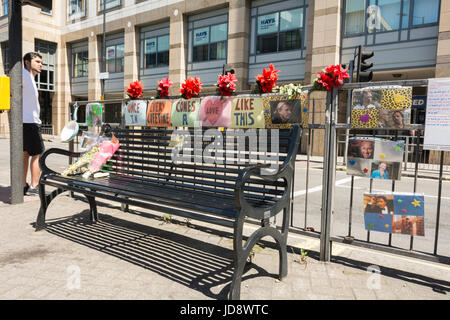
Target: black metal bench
143,173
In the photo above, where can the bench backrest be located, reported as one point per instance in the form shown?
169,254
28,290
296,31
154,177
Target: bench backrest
207,159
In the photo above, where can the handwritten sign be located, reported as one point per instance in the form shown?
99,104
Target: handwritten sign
437,122
247,112
159,113
185,112
135,113
215,111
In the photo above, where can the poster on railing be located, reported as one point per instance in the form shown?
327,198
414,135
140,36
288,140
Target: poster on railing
159,113
185,112
395,212
437,121
381,107
94,114
247,112
281,112
375,158
215,111
136,113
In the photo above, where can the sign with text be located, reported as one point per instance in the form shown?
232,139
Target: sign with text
419,102
135,113
437,121
185,112
215,111
247,112
159,113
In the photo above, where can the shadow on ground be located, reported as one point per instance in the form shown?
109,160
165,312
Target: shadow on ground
196,264
5,194
440,286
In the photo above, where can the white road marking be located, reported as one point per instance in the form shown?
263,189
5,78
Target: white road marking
384,190
319,188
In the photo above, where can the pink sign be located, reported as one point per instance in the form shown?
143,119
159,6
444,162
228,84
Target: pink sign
215,112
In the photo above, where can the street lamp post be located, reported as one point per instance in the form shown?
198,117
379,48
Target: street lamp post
16,117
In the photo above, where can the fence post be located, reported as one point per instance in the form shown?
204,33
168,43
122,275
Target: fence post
329,171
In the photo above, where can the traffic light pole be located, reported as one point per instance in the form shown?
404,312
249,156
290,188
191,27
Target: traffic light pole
16,117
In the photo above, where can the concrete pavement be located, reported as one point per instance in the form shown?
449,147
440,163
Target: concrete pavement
137,255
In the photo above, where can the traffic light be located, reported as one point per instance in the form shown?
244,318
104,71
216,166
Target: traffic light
227,69
42,4
363,74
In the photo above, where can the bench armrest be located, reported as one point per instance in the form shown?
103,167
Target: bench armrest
285,172
46,170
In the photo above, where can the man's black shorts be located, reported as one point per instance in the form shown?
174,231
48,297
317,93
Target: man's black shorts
32,139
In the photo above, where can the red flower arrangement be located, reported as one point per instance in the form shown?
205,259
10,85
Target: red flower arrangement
226,84
163,88
191,87
267,80
331,77
135,90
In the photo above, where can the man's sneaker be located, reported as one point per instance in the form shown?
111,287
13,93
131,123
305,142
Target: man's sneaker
33,191
25,189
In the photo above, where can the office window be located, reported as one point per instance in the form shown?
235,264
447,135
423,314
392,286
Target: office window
210,43
5,56
5,6
109,4
156,51
355,17
280,31
114,58
425,11
80,64
46,79
389,14
368,16
77,9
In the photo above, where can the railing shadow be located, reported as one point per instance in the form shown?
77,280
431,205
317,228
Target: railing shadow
198,265
440,286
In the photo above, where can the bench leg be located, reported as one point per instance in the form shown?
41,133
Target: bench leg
45,202
241,253
40,221
93,208
239,259
282,242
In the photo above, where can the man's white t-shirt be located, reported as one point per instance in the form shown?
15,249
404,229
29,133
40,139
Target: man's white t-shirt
30,96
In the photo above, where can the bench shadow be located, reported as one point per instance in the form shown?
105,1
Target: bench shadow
198,265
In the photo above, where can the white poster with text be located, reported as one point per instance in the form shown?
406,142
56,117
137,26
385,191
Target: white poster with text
437,121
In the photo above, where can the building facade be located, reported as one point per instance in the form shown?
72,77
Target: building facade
149,40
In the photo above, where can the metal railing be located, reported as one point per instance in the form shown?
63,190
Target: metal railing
325,198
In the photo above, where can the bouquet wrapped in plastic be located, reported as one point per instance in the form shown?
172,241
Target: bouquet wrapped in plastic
83,161
106,150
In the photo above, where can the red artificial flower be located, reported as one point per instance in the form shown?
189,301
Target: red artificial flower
331,77
191,87
163,88
226,84
268,79
135,89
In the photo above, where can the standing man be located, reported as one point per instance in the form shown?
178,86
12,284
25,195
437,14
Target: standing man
33,146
